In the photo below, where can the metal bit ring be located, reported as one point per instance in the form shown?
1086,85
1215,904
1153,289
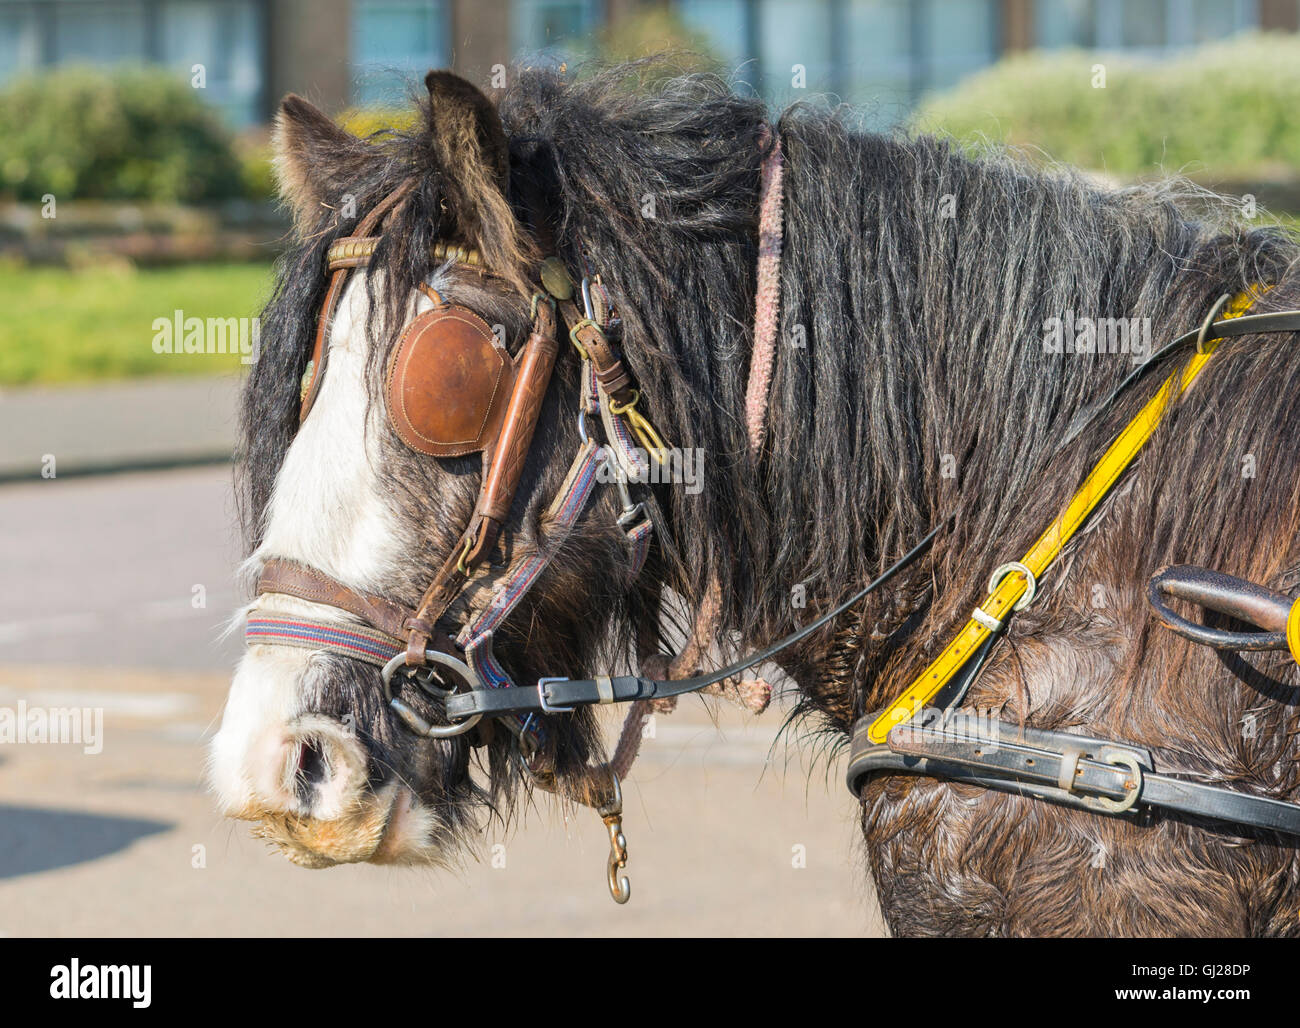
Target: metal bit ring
413,720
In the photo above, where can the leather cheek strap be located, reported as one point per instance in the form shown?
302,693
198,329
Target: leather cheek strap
320,347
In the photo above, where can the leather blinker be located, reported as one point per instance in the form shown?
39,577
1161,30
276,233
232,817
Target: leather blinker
448,383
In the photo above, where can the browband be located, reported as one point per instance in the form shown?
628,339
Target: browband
354,251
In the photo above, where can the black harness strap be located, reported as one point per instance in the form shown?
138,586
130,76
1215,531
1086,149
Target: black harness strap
1104,777
556,695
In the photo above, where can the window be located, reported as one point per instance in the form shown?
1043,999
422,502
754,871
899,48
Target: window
553,27
394,42
1150,26
794,39
725,24
225,38
20,41
100,33
879,55
960,38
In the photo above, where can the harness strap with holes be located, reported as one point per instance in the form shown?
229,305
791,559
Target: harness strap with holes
1085,772
1013,585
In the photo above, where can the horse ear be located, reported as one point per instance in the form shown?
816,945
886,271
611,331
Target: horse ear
469,146
467,129
314,160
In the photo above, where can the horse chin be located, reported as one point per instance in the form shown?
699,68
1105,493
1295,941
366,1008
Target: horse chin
393,827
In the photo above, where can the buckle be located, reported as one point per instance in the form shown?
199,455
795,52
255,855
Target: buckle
542,683
631,514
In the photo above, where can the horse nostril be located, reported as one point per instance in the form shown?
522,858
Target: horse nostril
324,768
313,767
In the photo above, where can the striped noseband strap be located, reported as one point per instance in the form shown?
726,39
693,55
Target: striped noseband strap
355,641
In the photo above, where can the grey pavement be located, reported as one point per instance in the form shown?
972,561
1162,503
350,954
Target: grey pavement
116,425
728,833
129,570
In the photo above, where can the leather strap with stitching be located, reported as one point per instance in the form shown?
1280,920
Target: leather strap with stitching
505,465
611,373
320,351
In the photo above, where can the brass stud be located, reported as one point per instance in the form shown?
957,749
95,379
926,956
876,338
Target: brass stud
555,278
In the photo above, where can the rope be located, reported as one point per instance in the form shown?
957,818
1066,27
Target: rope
767,305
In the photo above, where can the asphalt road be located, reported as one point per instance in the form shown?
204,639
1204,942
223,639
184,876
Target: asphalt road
117,590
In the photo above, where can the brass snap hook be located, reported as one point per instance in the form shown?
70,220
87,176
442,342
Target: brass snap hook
612,814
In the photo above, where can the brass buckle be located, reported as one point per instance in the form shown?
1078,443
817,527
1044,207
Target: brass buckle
1133,785
573,336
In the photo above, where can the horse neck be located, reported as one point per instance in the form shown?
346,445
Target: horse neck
916,385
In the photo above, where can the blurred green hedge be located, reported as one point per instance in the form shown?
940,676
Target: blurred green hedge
122,134
1231,108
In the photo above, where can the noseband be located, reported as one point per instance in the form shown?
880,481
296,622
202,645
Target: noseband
452,389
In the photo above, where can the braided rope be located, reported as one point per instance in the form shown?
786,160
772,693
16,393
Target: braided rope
767,305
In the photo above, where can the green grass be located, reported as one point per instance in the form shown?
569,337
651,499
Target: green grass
63,325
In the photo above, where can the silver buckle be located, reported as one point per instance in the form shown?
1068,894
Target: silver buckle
631,514
542,683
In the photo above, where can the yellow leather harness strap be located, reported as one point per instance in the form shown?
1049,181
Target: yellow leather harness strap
1014,584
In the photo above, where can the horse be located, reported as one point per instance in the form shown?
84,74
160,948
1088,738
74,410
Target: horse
915,387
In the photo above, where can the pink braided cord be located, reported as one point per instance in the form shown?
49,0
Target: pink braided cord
767,305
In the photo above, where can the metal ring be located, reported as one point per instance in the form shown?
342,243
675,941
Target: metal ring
413,720
1120,759
1031,588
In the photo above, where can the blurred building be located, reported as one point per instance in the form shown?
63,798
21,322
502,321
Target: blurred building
882,53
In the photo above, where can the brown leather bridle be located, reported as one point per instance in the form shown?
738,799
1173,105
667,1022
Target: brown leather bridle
509,417
503,401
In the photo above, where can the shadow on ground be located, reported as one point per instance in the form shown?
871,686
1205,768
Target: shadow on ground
34,839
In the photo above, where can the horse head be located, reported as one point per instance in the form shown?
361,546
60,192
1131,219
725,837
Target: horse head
399,476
